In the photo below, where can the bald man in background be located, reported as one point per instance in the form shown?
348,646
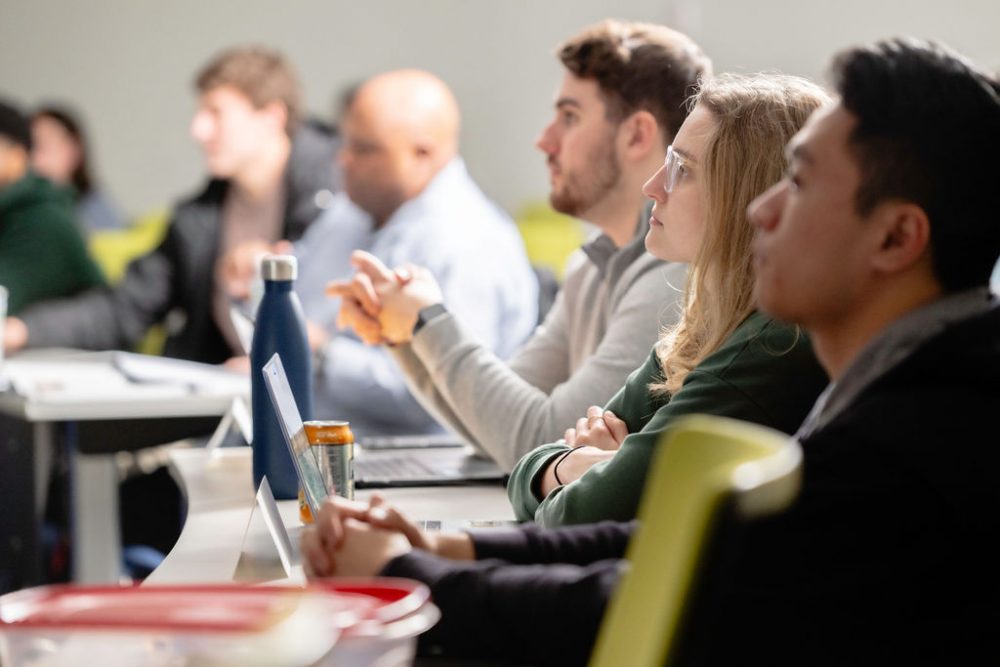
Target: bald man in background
408,198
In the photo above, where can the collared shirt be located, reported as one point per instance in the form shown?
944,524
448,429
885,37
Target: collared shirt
895,343
608,257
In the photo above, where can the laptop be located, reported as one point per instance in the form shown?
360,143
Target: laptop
419,465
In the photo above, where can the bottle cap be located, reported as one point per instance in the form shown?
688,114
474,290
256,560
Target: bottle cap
279,267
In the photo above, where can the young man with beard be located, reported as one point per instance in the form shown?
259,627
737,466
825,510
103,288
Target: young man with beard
619,105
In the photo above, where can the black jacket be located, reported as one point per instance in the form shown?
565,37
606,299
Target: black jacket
888,557
175,282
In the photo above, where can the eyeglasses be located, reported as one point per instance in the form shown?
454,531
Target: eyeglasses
673,166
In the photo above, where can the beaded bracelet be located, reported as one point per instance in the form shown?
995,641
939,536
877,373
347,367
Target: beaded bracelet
555,467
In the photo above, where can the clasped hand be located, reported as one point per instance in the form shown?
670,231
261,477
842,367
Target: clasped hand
381,305
596,438
600,428
355,539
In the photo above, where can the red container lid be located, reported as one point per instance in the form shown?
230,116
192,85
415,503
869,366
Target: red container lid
206,608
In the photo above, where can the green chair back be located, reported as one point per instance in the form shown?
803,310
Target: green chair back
114,249
700,465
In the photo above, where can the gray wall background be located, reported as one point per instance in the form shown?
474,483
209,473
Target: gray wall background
127,65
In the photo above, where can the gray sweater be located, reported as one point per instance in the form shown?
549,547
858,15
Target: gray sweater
607,315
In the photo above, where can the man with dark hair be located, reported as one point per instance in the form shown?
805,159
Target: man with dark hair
889,554
42,255
615,114
271,174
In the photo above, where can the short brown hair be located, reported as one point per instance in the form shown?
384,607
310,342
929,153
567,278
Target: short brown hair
639,66
262,74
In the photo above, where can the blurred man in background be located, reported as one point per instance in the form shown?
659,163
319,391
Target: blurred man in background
408,197
270,176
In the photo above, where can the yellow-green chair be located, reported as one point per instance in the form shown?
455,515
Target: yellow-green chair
114,249
549,237
703,464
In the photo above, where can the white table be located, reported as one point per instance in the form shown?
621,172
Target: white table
96,421
218,485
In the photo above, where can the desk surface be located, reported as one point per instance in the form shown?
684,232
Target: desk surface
65,385
218,485
94,404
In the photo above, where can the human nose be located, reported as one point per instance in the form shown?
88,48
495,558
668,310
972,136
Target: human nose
654,187
343,156
764,211
201,126
547,141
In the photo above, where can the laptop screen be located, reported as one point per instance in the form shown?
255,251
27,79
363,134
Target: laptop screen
306,466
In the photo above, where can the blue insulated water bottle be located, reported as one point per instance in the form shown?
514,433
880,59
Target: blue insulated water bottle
279,327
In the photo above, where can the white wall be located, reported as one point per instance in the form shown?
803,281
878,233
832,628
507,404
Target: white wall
128,64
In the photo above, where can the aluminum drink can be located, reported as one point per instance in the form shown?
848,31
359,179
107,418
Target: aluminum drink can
333,444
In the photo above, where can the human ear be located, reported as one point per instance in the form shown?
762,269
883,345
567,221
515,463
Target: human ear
639,134
905,233
277,113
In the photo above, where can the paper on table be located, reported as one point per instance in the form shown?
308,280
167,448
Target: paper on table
74,376
34,378
142,368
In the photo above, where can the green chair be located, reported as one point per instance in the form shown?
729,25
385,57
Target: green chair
549,237
114,249
704,465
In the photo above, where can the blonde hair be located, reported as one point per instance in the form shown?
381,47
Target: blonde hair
755,117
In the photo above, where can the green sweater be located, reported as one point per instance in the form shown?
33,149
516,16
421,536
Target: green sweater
765,372
42,255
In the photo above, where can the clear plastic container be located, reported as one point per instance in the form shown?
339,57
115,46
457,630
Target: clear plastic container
388,637
376,619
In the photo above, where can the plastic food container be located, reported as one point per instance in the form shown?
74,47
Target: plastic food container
375,620
388,636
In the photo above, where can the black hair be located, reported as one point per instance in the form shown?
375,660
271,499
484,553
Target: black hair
13,125
928,132
81,177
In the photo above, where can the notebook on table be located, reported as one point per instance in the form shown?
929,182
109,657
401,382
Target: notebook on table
419,465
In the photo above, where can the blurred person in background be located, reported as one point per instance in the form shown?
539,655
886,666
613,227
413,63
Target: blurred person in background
271,174
408,197
42,254
60,153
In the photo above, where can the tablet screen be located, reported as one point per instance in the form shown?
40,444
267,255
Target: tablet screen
306,465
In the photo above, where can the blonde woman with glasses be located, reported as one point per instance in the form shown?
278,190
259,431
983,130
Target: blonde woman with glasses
723,357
